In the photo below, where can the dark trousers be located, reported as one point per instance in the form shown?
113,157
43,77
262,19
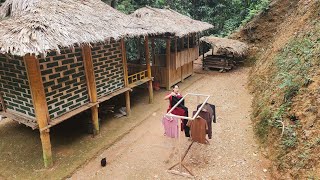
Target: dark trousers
186,128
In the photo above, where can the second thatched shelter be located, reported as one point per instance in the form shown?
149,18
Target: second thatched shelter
225,46
226,53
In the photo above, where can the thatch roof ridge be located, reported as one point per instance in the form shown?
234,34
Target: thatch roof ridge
170,20
37,26
226,46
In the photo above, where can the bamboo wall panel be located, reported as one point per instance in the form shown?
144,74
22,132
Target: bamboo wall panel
108,69
186,56
64,81
14,86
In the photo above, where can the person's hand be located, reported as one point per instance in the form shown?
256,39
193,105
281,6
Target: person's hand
173,94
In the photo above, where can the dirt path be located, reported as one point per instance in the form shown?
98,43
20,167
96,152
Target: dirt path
232,154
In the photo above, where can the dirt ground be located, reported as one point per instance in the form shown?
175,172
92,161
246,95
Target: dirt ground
145,153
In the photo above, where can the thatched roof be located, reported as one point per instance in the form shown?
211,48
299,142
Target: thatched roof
37,26
170,20
226,46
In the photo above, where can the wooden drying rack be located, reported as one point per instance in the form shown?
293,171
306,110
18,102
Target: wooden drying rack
179,172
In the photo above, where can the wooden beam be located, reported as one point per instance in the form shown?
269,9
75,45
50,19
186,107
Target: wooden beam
40,105
165,36
168,63
91,83
125,73
21,118
146,45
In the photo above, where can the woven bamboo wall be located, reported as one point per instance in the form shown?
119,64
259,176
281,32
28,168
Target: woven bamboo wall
14,86
108,68
64,81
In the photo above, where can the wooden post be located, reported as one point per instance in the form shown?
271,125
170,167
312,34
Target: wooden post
146,44
194,44
168,63
125,73
202,46
153,52
139,51
182,64
176,53
91,84
188,55
40,105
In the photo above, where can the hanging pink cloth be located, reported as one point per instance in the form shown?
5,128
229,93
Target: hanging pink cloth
170,125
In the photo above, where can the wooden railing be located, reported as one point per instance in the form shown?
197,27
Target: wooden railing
137,76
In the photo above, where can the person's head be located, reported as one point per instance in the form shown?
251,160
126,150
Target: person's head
176,89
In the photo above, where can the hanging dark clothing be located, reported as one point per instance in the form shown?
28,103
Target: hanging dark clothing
180,110
211,109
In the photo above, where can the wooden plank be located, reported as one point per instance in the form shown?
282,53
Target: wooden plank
138,83
20,118
91,84
181,174
125,72
168,62
68,115
150,88
72,113
115,93
40,105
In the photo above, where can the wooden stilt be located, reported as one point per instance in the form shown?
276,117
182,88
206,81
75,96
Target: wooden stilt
125,75
128,105
40,105
168,63
146,44
180,164
91,84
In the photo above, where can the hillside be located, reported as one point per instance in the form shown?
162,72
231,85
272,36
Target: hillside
284,46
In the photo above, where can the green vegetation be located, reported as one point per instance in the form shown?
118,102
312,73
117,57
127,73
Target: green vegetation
225,15
289,75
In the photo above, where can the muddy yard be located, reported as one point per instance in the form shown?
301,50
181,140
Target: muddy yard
136,148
